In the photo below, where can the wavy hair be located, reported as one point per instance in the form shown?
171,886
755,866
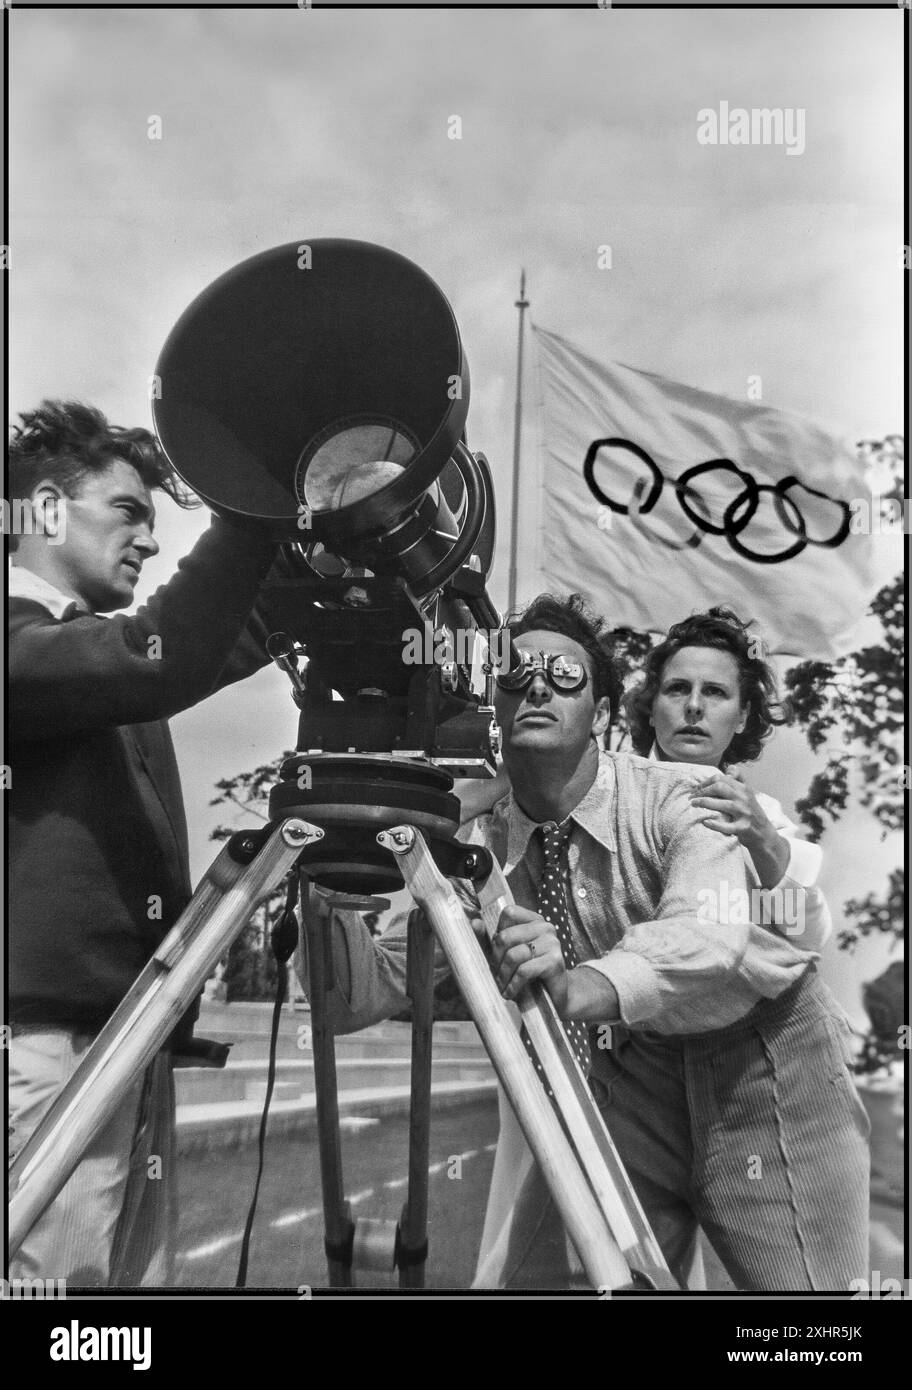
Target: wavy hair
571,618
66,441
722,630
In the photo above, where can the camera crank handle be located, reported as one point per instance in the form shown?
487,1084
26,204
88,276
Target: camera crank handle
284,653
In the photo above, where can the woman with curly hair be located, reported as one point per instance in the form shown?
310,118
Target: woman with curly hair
709,697
749,1130
783,1094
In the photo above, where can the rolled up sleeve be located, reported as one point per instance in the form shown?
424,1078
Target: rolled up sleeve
797,906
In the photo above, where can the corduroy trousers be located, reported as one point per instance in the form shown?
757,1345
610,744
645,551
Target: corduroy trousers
754,1132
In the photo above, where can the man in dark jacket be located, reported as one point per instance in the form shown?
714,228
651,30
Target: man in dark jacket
97,836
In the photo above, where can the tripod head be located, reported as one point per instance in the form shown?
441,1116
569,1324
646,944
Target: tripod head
320,391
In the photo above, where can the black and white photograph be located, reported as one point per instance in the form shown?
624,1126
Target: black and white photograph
454,771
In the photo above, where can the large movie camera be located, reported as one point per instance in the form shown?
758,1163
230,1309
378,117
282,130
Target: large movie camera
320,391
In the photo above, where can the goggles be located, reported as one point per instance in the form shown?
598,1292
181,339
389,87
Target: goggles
561,672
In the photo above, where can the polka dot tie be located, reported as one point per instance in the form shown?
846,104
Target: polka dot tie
552,905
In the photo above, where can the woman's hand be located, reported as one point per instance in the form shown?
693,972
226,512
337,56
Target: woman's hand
736,811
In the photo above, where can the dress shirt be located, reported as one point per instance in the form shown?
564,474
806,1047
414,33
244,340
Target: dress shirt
798,885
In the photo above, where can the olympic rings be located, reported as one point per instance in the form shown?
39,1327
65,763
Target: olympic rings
692,541
749,490
751,507
844,526
738,513
658,476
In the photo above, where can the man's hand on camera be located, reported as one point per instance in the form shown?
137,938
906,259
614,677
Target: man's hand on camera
526,948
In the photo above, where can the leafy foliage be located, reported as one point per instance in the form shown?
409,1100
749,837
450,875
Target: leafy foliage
884,1000
875,914
248,791
854,707
859,701
251,971
629,650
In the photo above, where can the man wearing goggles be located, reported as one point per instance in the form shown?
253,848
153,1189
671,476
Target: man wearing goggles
607,857
559,670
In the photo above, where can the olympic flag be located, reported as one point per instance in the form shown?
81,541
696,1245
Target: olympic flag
660,500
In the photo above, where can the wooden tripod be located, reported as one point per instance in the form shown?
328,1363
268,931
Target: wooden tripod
569,1139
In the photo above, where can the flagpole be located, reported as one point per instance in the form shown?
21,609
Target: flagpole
522,305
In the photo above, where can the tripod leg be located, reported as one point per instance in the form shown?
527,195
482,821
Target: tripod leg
338,1225
580,1115
412,1253
559,1163
215,916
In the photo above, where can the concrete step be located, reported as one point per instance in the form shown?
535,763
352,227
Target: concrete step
245,1017
247,1027
229,1123
222,1107
252,1047
246,1079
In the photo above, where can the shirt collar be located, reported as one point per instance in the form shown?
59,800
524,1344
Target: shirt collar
24,583
594,814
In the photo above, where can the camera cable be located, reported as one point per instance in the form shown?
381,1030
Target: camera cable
283,939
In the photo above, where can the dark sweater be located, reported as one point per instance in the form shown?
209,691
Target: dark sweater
96,820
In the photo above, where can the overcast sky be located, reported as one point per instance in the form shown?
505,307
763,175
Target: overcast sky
578,130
